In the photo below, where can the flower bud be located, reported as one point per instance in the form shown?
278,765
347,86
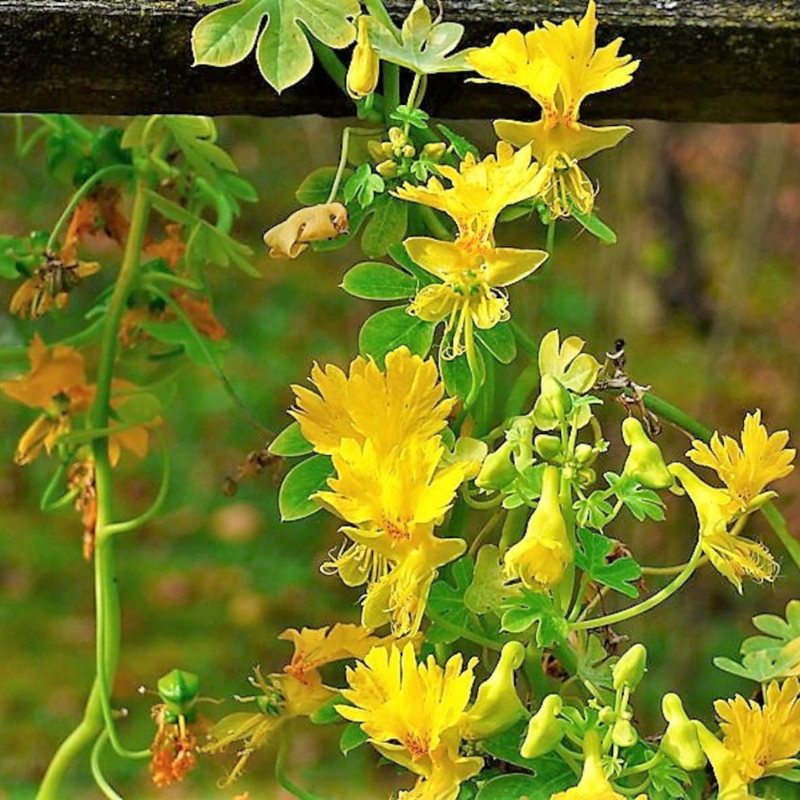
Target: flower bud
362,75
408,151
541,557
387,169
378,150
497,470
623,734
630,669
520,434
497,706
434,150
552,405
545,729
645,462
585,454
396,137
680,743
547,446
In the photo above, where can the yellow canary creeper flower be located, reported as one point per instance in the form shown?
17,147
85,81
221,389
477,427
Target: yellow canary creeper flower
472,282
734,556
764,739
565,362
542,556
388,407
472,270
747,469
593,785
479,191
559,66
411,713
731,784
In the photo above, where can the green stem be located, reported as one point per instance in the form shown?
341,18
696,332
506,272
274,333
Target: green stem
97,771
330,63
280,771
488,527
646,605
474,365
526,343
391,89
434,224
137,522
378,10
463,633
781,529
98,708
82,191
513,527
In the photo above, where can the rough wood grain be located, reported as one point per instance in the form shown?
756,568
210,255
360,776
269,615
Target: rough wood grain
702,60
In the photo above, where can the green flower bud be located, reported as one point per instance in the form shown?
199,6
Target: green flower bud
547,446
585,454
587,476
545,729
552,405
680,743
623,734
178,690
607,715
630,669
497,706
434,150
498,470
387,169
645,462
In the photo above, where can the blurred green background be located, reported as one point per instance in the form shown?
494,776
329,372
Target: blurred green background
702,286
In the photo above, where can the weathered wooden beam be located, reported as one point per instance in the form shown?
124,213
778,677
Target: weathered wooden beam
702,60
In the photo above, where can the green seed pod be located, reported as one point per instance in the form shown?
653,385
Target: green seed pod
545,730
630,669
178,690
680,743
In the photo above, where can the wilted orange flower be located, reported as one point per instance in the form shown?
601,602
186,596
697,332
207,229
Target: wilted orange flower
171,249
291,237
173,749
50,285
81,479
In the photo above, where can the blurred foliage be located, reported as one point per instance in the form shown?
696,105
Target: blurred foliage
700,285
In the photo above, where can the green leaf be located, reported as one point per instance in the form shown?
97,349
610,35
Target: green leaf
487,591
176,333
227,35
642,503
594,511
413,117
316,186
500,342
389,329
552,776
446,605
290,442
363,185
593,560
527,608
400,257
424,47
386,227
300,483
595,226
460,144
326,714
371,280
667,779
456,375
352,737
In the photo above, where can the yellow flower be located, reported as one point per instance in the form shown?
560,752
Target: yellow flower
725,764
765,740
734,556
542,556
471,291
387,407
747,469
362,76
559,66
593,784
479,191
411,713
565,362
